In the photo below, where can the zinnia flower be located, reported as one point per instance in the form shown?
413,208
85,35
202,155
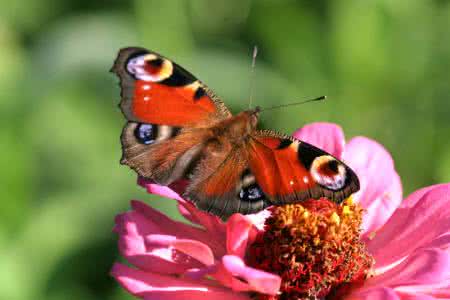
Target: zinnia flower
311,249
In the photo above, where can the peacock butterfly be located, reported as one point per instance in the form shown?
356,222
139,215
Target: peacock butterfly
179,129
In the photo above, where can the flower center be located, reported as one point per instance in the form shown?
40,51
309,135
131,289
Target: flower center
314,247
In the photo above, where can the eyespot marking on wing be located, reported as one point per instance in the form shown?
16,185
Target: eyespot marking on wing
150,67
149,133
250,191
145,133
328,172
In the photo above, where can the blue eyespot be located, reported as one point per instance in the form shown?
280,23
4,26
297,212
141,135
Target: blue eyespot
251,193
145,133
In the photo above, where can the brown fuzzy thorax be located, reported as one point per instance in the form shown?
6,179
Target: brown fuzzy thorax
236,130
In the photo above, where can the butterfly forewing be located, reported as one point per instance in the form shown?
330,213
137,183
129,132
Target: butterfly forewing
156,90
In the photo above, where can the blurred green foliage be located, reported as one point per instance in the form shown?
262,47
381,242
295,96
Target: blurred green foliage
384,65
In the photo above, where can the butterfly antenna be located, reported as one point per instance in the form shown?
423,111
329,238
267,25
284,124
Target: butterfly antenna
252,75
321,98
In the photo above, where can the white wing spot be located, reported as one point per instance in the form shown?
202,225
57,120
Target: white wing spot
331,181
136,66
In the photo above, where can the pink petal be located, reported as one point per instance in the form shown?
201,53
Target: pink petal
182,250
239,231
382,293
157,258
172,192
195,249
416,297
186,213
157,254
260,281
200,273
213,224
148,285
442,242
326,136
426,271
379,293
258,219
214,236
409,228
381,189
416,196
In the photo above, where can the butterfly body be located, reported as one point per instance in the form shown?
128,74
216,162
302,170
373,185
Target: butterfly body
179,129
237,129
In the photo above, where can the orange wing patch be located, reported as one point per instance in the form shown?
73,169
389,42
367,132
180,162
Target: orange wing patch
156,90
277,169
220,182
177,106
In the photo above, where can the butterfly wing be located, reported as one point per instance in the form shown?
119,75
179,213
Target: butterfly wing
171,134
168,110
268,169
161,153
156,90
288,170
222,184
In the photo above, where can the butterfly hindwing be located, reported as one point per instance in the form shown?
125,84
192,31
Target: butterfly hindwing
160,152
222,183
289,170
156,90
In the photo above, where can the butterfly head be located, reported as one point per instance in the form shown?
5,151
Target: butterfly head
253,117
241,126
257,110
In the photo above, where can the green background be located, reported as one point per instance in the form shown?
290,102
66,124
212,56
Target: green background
383,64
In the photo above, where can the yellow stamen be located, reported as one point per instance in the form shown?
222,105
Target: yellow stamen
314,247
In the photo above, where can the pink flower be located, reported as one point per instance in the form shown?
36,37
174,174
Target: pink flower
172,258
409,239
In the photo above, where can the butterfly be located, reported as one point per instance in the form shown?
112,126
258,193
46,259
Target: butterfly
179,129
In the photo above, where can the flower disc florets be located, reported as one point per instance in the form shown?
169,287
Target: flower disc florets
315,247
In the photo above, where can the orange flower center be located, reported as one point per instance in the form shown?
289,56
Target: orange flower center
314,247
